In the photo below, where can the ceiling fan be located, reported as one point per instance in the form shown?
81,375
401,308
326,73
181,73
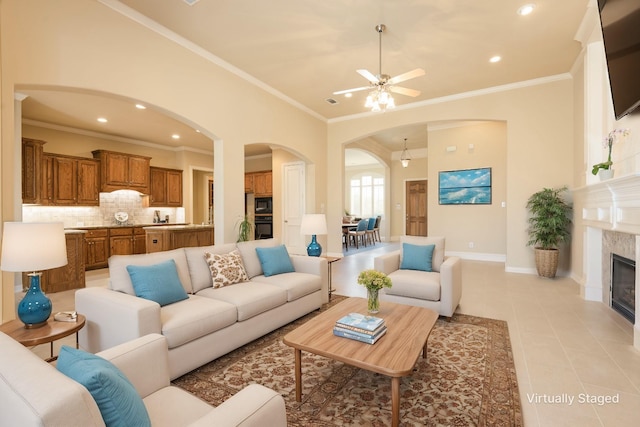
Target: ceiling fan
381,85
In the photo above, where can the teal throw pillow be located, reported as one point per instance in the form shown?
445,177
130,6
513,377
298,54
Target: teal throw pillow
158,282
274,260
118,401
417,257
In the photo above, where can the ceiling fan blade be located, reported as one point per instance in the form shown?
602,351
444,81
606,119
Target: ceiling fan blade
340,92
404,91
406,76
367,75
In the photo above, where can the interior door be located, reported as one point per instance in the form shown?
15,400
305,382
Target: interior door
416,205
293,198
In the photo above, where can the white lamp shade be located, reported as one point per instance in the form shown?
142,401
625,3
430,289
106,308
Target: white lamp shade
313,224
33,246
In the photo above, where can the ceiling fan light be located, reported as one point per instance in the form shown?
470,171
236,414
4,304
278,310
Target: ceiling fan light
376,107
390,102
384,97
369,102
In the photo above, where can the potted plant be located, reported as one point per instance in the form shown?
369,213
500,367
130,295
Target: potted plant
548,227
607,143
373,280
245,228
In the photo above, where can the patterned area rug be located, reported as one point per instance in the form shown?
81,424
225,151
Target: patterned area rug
468,379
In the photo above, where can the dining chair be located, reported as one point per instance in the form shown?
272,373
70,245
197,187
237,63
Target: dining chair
358,235
376,229
370,232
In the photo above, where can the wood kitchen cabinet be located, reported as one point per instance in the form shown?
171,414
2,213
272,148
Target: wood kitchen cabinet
121,171
32,151
262,184
165,187
96,248
174,237
69,181
70,276
259,183
127,241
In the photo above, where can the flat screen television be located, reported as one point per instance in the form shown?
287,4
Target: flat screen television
620,21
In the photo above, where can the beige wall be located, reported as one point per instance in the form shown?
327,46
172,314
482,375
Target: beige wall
84,45
482,225
539,148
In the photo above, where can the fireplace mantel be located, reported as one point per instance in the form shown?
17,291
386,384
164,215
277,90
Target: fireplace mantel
612,205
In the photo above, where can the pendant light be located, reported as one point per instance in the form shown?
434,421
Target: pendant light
405,156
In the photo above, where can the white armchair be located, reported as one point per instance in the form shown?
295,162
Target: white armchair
439,289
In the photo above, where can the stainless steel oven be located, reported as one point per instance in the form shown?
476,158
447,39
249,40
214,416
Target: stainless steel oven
264,226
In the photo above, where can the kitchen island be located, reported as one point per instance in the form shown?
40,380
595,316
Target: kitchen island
168,237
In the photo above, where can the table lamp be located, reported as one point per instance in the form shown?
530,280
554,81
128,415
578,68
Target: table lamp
31,246
313,224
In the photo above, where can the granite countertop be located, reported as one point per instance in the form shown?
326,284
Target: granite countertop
179,226
93,227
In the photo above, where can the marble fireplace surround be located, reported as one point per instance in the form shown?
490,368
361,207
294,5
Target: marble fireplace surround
611,214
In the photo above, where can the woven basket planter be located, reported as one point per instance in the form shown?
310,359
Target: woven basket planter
547,262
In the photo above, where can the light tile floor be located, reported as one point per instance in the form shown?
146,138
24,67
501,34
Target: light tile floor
564,347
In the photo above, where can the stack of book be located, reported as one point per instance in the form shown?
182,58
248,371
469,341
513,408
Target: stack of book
359,327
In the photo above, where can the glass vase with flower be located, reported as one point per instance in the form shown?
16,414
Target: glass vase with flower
373,280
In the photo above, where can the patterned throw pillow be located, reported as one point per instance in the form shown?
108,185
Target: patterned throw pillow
226,269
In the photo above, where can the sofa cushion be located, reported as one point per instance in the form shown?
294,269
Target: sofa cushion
297,285
198,269
120,281
250,298
250,257
415,284
275,260
438,251
194,318
118,401
226,269
417,257
158,282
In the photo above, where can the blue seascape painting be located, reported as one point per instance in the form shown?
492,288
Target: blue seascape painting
465,187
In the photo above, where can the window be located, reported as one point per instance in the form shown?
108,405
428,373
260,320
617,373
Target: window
367,196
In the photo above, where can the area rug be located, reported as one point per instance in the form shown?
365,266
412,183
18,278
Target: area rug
467,379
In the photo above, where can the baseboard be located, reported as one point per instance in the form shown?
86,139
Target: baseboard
478,256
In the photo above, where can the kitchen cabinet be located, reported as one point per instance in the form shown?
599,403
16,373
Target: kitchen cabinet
121,171
32,151
96,248
262,184
259,183
69,181
127,241
70,276
163,238
165,187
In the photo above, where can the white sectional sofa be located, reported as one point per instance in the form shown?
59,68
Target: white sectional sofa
34,393
211,321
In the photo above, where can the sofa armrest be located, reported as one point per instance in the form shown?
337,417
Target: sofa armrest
450,285
114,318
387,263
254,405
313,265
144,361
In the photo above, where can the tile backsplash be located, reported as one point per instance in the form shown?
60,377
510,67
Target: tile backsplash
127,201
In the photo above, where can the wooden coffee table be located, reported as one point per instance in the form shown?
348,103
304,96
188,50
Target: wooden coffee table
394,355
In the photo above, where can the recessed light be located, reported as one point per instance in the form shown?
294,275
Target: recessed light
526,9
348,95
496,58
175,136
140,107
102,120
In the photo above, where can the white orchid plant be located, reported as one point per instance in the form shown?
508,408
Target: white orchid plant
607,143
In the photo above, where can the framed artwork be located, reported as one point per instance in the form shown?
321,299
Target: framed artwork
465,187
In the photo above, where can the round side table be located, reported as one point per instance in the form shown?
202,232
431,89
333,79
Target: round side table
52,331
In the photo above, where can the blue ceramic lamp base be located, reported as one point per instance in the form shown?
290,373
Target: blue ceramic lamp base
35,308
314,248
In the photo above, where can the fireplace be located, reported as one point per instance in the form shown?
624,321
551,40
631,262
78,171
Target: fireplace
623,286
